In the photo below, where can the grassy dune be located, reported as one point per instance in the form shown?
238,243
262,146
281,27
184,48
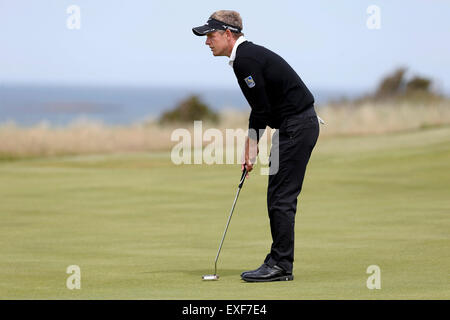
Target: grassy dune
140,227
84,137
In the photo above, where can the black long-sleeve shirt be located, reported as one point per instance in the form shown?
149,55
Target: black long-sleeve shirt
272,88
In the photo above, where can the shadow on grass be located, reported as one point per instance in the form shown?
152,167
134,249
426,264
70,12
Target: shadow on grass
200,272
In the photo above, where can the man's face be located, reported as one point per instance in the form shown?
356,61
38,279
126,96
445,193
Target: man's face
218,42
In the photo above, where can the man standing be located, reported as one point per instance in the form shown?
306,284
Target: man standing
278,99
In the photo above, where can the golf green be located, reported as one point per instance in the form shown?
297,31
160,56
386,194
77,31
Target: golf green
140,227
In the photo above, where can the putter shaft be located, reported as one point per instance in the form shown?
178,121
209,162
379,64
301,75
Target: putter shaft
241,182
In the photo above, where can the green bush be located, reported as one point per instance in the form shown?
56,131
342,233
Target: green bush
189,110
418,84
391,85
395,87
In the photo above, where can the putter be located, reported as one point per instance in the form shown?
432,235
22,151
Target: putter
215,276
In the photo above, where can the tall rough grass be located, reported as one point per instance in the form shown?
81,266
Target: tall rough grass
83,137
379,118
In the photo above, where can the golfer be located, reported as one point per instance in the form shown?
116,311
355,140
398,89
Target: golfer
279,99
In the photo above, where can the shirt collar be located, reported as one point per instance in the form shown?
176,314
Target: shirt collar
233,52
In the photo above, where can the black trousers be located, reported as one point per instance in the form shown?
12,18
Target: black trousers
292,145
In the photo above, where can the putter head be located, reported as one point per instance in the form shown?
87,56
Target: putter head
210,277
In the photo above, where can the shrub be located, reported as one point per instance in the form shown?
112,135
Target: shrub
188,110
418,84
391,85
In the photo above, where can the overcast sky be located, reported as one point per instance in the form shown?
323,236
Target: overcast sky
150,42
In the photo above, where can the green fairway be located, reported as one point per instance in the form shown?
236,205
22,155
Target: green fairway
140,227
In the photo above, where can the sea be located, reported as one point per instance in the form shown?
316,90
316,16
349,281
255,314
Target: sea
59,105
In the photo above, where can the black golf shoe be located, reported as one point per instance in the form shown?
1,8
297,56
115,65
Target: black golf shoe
251,271
267,273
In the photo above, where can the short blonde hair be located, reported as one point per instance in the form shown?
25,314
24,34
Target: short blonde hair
230,17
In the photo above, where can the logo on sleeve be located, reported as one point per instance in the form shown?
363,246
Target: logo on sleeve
250,82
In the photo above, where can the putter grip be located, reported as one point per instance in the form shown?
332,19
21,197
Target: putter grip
244,173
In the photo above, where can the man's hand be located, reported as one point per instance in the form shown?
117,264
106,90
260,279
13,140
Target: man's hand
251,150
